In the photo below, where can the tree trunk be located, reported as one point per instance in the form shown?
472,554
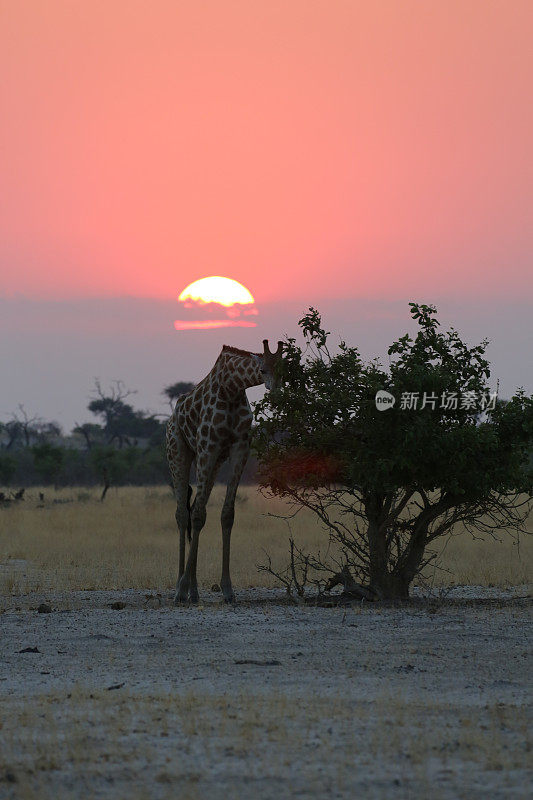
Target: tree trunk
390,586
393,584
105,473
381,580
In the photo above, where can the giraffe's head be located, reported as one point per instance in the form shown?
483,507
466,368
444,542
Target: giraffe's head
269,362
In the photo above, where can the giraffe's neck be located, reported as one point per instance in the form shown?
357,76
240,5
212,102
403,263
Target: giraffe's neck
235,373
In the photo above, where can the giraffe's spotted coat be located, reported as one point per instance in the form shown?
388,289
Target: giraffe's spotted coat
209,425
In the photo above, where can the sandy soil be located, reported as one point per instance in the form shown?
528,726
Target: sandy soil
265,699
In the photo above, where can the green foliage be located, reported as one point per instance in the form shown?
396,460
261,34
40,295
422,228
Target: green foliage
8,466
327,405
129,444
115,462
322,429
47,461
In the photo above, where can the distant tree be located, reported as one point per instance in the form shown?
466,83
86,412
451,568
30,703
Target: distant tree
46,431
90,431
29,425
8,466
13,430
114,412
121,422
111,465
22,428
386,484
175,390
47,461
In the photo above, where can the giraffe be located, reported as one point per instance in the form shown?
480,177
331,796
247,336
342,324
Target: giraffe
209,425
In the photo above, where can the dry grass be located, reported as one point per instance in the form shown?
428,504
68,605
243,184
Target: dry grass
75,542
114,738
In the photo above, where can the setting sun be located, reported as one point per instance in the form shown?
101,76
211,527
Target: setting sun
215,302
216,289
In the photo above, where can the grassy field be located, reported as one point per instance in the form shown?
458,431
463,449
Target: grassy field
266,699
73,541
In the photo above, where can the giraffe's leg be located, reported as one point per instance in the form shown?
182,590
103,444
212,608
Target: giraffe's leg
180,459
187,587
182,525
238,458
193,586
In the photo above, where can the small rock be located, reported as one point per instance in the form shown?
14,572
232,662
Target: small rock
216,588
44,608
115,686
272,662
118,605
30,650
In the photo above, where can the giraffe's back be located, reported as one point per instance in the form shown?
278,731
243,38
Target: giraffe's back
208,421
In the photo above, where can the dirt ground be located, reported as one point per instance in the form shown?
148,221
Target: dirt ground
265,699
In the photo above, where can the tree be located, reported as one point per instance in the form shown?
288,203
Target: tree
23,429
13,428
176,390
47,460
46,431
8,467
111,465
90,431
121,423
114,412
388,483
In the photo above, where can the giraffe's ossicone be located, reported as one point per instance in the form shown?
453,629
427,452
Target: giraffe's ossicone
209,425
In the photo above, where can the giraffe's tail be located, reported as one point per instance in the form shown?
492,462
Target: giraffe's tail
189,507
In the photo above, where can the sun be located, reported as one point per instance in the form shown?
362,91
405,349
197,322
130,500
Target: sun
215,289
216,302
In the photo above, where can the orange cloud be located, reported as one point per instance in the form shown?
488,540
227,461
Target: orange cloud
199,315
197,324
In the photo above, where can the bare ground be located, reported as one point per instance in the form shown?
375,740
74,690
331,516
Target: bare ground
426,699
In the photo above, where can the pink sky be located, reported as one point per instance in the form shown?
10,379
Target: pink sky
303,148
